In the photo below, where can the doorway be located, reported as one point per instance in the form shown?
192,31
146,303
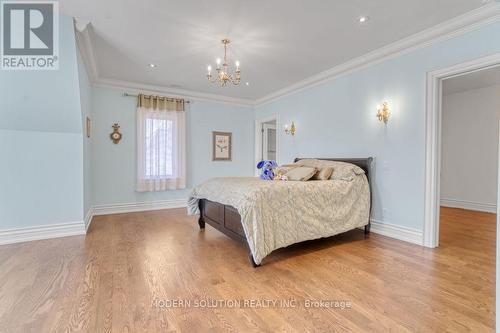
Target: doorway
468,178
266,139
434,117
469,158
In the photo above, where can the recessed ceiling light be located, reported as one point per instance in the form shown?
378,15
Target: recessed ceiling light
247,83
363,19
151,65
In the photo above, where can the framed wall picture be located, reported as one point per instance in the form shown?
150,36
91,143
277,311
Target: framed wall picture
221,146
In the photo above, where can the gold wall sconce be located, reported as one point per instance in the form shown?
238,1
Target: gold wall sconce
383,113
116,136
290,130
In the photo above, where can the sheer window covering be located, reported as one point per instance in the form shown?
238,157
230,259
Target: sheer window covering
160,144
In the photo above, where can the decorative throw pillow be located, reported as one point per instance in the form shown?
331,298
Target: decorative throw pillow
292,165
300,173
279,173
323,174
341,170
346,171
284,169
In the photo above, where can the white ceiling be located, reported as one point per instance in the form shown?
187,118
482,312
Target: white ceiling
278,42
475,80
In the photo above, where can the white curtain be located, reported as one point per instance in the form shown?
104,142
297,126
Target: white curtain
161,148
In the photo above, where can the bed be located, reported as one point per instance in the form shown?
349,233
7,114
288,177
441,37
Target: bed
267,215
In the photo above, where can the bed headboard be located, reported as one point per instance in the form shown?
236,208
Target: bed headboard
363,163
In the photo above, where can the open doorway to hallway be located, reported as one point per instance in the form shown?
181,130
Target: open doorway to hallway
469,177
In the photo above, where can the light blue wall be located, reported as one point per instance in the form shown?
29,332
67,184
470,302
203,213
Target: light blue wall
44,100
114,166
337,119
41,178
41,154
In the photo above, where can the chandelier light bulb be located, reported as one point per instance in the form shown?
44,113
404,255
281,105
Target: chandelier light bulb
237,63
209,68
218,61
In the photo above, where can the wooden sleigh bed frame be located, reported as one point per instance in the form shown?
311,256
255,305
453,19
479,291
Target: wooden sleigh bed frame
227,220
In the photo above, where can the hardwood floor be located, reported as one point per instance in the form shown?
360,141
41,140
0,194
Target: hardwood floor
119,277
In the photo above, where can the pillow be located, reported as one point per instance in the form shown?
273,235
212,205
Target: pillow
346,171
341,170
300,174
279,173
284,169
292,165
323,174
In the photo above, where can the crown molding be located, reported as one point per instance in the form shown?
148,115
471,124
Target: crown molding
457,26
133,87
84,32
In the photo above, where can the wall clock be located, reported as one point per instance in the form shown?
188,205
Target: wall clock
116,136
221,146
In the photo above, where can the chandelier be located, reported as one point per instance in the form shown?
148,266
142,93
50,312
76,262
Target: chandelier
223,76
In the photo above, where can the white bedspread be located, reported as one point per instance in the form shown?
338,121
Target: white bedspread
276,214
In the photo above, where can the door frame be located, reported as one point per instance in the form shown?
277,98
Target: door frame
258,138
433,129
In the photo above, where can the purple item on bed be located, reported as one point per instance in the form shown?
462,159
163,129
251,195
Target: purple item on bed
267,167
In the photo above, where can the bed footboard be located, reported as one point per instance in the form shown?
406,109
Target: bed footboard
224,218
227,220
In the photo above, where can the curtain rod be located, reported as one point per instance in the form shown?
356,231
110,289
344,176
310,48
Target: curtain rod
132,95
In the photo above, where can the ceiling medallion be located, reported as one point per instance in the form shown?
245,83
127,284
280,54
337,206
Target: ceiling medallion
223,76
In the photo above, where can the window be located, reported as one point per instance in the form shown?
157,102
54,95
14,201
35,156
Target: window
161,148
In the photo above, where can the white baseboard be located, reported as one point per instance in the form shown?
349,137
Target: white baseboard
470,205
394,231
18,235
79,228
88,218
401,233
138,206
